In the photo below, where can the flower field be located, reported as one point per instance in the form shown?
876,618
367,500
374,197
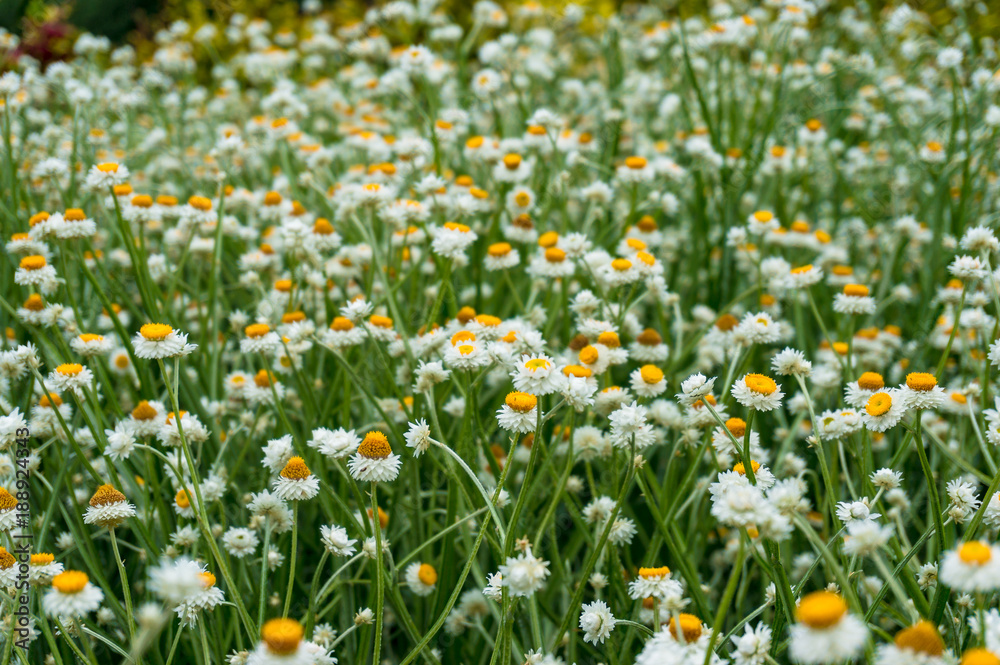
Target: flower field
529,335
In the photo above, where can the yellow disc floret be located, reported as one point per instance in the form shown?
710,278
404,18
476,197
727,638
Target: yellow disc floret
282,636
821,609
375,446
71,581
296,469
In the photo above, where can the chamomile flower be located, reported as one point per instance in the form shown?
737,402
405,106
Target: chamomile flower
648,381
296,482
374,460
72,595
596,622
519,412
854,300
524,574
884,409
921,391
757,391
825,631
158,340
108,508
421,578
973,566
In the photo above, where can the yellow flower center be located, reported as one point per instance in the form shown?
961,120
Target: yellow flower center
740,469
651,374
512,161
609,339
650,573
649,337
521,402
763,216
588,355
488,320
200,203
69,369
42,559
282,636
499,249
975,553
537,363
106,494
855,290
375,446
621,265
760,384
108,167
71,581
921,381
34,303
383,322
821,609
89,337
295,469
182,499
737,427
33,262
256,330
74,215
7,500
552,255
871,381
921,637
578,371
463,336
155,332
427,574
980,657
548,239
143,411
690,627
801,270
341,324
635,163
207,579
7,559
878,404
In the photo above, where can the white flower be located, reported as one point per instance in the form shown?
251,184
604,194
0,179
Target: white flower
826,632
335,444
596,622
296,482
525,574
519,412
421,578
418,437
71,595
973,566
158,340
106,175
866,537
335,540
694,388
753,645
756,391
374,461
108,508
240,542
791,362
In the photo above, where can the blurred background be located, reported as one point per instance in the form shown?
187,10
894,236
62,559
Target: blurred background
46,28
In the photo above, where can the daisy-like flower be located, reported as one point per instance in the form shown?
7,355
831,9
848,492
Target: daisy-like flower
296,482
421,578
8,510
525,574
205,599
42,567
694,388
282,643
648,381
240,542
538,375
762,221
452,239
972,567
791,362
884,410
854,300
753,646
8,569
71,377
919,644
857,393
654,583
921,391
71,595
259,339
648,347
158,340
88,345
105,175
825,632
501,256
342,334
35,271
804,276
335,540
108,508
374,461
596,622
756,391
335,444
519,412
